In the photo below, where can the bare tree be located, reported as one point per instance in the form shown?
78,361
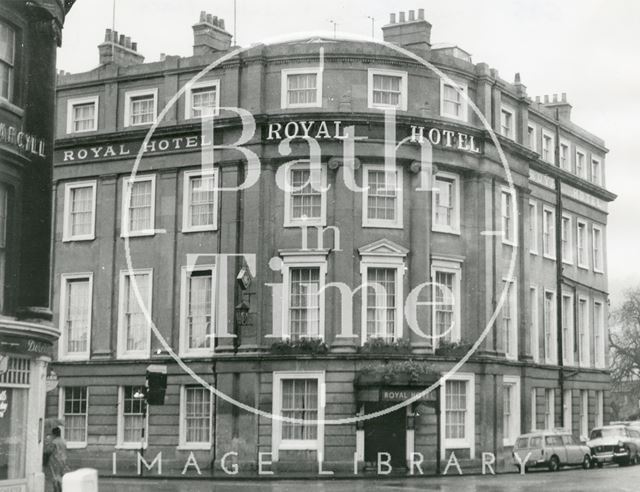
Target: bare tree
624,340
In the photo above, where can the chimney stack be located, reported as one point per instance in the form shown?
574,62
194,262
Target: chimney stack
561,104
411,34
209,35
119,49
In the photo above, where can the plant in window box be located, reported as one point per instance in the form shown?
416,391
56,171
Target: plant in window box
380,345
454,349
310,346
397,373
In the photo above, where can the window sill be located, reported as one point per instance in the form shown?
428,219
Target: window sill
298,446
308,223
131,445
535,253
209,228
138,234
583,267
76,445
72,239
548,257
302,106
381,225
17,110
73,358
194,447
80,132
387,106
513,244
601,272
445,230
567,262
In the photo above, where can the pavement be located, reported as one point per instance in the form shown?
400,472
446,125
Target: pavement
608,479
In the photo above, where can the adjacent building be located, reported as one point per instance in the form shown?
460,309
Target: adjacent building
30,32
150,239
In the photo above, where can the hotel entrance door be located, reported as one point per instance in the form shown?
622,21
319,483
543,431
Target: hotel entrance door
386,434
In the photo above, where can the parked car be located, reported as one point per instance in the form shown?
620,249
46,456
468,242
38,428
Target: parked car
551,449
618,443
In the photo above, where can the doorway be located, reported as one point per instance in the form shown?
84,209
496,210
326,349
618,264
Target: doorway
386,434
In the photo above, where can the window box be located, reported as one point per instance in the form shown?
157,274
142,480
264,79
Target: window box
308,346
453,349
397,373
379,345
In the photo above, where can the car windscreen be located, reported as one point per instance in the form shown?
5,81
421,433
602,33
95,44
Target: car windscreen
522,442
611,432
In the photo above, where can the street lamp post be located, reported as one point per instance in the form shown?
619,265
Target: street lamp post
141,395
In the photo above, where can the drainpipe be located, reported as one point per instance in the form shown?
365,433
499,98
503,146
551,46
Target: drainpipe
559,273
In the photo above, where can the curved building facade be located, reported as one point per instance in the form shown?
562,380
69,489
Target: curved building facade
250,285
29,35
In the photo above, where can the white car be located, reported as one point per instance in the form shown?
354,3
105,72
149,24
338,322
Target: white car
617,443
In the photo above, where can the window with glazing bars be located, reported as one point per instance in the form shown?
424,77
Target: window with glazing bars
7,55
203,101
77,317
302,88
306,201
444,304
197,415
456,409
304,302
201,201
135,322
444,202
199,309
133,412
507,412
140,206
387,89
75,413
299,401
84,117
142,109
381,302
381,196
452,101
81,210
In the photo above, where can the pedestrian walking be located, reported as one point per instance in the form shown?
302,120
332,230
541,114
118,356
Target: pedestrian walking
55,458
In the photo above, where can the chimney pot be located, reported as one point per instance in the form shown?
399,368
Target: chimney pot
215,20
517,79
546,99
209,19
412,15
402,17
421,14
121,40
114,36
221,23
538,99
555,98
392,19
134,46
127,42
107,35
203,16
564,97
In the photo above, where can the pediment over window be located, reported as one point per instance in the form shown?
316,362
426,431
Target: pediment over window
383,247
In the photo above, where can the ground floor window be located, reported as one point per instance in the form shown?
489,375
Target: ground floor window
73,411
132,421
459,408
549,408
584,414
510,409
599,408
298,396
195,417
13,432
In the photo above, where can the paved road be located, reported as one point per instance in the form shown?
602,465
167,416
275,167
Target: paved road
608,479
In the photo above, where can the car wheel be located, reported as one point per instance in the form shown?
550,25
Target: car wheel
600,464
554,464
586,462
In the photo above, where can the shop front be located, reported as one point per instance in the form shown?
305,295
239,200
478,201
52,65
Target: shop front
25,351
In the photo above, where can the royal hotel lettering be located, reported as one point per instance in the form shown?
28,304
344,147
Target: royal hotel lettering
318,130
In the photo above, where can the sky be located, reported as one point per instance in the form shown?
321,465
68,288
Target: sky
586,48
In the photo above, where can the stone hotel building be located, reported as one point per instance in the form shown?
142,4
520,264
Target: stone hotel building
543,363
